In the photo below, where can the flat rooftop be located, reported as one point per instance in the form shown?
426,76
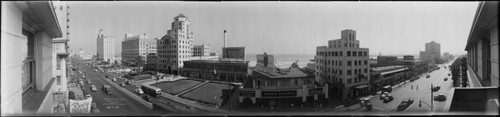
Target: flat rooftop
386,68
286,73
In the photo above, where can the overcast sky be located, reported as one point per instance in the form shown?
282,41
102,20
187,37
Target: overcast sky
282,27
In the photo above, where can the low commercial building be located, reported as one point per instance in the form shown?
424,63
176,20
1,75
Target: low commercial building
388,75
270,86
220,70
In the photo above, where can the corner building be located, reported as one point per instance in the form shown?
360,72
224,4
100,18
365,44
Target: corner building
177,46
344,66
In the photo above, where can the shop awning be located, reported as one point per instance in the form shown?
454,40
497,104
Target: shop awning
362,86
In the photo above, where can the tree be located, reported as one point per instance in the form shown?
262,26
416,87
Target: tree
455,71
139,61
465,80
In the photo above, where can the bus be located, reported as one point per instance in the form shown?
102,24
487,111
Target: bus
153,91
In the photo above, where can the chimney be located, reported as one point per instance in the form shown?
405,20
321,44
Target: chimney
225,35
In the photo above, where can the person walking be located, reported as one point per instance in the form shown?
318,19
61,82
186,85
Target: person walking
412,87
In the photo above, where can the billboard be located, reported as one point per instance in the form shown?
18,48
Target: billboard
80,106
408,57
233,52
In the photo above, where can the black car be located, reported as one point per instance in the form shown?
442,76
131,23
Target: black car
436,88
404,104
388,99
428,76
107,76
147,98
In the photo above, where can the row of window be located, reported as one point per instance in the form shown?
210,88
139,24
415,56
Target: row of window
282,82
339,71
340,53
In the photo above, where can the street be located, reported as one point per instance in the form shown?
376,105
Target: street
117,103
405,92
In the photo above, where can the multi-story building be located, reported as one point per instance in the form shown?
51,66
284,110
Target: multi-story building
482,66
176,46
105,47
60,46
344,65
201,50
135,46
432,51
270,86
386,60
387,75
151,62
27,82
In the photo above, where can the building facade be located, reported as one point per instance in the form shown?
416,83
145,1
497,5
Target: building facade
201,50
432,51
344,65
151,62
219,70
482,45
105,47
26,75
176,46
61,46
269,86
386,60
135,46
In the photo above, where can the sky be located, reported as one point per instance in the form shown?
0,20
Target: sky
389,28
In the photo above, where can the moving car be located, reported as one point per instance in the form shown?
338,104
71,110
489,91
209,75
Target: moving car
122,84
440,97
445,79
436,88
449,74
383,95
106,89
107,76
93,88
114,79
89,82
404,104
428,76
139,91
388,98
88,96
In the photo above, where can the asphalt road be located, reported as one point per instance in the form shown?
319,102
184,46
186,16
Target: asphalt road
117,103
423,93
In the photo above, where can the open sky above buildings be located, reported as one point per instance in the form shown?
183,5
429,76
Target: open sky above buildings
390,28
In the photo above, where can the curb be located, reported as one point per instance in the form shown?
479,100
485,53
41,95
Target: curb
137,98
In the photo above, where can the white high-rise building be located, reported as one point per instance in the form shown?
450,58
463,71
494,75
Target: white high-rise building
176,46
344,65
135,46
105,47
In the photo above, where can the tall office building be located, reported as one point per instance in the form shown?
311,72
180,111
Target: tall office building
344,65
432,51
105,47
135,46
176,46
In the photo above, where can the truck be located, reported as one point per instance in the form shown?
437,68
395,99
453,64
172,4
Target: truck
153,91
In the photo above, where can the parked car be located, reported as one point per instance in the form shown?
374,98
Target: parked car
449,74
107,76
114,79
122,84
428,76
383,95
440,97
404,104
445,79
139,91
89,82
93,88
147,98
436,88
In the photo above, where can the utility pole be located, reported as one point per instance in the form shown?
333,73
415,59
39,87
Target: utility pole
432,97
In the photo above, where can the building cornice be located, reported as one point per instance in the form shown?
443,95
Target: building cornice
40,16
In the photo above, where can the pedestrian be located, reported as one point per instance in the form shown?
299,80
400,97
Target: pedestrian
417,87
412,87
